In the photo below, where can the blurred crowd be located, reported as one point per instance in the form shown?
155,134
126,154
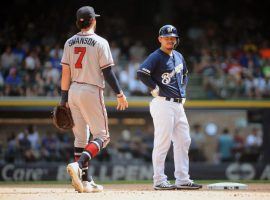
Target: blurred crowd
230,53
227,146
232,73
238,70
132,145
32,146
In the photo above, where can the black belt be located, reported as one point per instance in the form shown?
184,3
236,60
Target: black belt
177,100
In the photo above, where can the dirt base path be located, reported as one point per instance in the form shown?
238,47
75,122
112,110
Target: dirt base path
129,192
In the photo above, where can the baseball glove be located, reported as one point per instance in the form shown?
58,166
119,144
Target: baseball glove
62,118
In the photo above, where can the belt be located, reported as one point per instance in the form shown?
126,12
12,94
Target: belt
177,100
83,83
80,82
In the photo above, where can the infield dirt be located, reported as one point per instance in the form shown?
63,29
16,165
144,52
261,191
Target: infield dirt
128,192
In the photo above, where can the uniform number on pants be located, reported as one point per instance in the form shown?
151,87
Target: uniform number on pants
81,51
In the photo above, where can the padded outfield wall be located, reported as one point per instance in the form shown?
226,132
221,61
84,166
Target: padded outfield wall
16,113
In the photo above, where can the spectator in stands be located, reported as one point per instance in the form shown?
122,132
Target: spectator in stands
123,144
32,63
13,83
65,146
39,86
27,85
13,78
25,149
19,52
50,73
116,52
235,69
8,60
239,144
50,147
50,87
33,137
56,52
254,139
55,59
259,86
252,146
196,151
12,148
266,67
225,146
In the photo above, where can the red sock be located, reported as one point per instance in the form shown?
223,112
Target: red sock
92,149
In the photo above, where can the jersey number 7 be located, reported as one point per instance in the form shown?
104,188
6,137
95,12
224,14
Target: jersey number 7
81,51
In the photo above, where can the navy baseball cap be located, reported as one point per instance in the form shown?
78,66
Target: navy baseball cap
85,13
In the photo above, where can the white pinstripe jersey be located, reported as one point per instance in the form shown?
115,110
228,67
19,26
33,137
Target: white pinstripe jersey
87,55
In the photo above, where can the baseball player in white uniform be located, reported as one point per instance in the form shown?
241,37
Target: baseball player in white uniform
86,64
165,72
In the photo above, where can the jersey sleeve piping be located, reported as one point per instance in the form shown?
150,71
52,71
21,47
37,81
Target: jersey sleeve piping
107,65
64,63
142,71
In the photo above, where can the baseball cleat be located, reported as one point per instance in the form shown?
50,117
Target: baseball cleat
189,186
91,187
75,172
165,185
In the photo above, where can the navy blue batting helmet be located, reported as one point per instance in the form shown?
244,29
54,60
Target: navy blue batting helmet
168,31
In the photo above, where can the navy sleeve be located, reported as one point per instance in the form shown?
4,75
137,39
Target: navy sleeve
111,79
146,79
148,66
145,70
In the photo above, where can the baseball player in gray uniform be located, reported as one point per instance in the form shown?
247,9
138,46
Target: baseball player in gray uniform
86,64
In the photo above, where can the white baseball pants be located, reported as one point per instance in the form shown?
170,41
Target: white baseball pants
170,123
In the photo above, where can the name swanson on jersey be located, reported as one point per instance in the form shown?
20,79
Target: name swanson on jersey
82,40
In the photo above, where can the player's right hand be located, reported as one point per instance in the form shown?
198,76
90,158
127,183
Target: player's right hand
122,103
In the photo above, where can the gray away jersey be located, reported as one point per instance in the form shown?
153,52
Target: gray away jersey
87,55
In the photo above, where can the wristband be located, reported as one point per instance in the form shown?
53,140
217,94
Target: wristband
64,96
121,94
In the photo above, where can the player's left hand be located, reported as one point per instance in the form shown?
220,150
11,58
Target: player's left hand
122,103
184,101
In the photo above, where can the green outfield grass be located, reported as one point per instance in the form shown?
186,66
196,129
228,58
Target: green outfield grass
130,182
